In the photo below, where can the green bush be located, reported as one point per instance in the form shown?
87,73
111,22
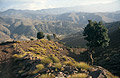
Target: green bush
79,75
69,63
65,58
31,39
77,65
39,68
31,49
46,76
55,59
83,65
48,37
58,65
46,60
40,35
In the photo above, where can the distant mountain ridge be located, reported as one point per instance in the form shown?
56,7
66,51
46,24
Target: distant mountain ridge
99,7
26,23
67,16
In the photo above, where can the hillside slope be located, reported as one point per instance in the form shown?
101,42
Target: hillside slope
16,29
109,57
43,59
106,57
74,40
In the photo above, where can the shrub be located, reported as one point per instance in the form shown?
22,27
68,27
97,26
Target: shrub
48,37
31,39
41,49
77,65
46,60
110,75
46,76
54,35
34,46
31,49
69,49
55,59
69,63
84,65
79,75
58,65
65,58
18,56
17,41
40,35
20,71
43,41
71,59
39,68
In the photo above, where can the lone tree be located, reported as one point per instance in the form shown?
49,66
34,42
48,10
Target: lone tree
97,36
54,35
48,37
40,35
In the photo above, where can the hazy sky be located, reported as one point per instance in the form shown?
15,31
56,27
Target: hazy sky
44,4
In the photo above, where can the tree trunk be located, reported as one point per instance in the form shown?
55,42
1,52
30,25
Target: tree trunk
90,54
91,58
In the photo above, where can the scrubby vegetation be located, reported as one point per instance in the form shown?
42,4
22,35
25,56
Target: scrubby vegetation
43,58
79,75
39,68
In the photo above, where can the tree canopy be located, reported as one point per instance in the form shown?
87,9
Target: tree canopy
96,34
40,35
48,37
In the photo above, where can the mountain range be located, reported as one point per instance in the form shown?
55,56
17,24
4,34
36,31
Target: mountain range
24,24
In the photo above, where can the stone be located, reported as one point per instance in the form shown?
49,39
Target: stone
97,74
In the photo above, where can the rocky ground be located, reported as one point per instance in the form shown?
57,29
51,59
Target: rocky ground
44,59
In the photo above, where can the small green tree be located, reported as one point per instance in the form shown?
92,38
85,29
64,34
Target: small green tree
48,37
54,35
97,36
40,35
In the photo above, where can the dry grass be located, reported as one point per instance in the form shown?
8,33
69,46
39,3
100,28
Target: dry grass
69,63
58,65
46,60
20,71
18,55
65,58
55,59
83,65
18,41
110,75
31,49
46,76
39,68
79,75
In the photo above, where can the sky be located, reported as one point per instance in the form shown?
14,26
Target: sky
45,4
